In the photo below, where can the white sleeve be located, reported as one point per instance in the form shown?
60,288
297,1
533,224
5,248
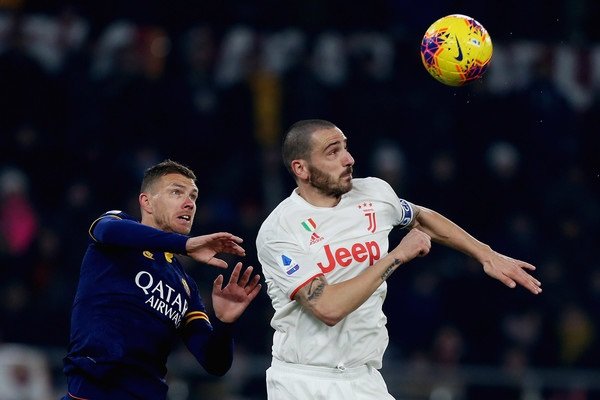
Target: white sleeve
287,265
404,210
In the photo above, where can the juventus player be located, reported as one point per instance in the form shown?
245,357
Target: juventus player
324,254
134,300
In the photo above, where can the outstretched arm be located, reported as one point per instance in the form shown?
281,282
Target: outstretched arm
115,231
507,270
332,303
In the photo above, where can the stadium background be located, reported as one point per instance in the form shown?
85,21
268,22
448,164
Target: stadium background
92,94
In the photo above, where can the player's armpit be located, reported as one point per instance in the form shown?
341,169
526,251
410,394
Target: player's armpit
310,293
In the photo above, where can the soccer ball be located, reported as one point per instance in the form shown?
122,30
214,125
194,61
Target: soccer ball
456,50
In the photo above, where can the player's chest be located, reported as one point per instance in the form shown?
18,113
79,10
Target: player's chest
346,241
358,218
161,285
158,274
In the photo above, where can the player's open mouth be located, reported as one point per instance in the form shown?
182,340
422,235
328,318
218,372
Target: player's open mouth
186,218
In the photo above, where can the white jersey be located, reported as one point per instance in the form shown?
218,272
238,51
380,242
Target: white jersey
299,241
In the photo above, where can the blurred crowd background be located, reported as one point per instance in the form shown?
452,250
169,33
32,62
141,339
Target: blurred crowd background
92,93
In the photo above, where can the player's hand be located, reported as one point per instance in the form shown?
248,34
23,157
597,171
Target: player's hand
511,272
414,244
231,301
205,248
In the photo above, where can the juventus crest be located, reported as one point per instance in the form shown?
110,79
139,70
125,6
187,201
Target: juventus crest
369,213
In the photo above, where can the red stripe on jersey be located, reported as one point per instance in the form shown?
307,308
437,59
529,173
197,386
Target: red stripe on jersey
309,280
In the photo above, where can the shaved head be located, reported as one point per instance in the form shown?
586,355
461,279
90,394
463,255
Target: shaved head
297,143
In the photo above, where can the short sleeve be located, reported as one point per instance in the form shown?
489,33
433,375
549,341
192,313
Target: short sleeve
404,210
288,266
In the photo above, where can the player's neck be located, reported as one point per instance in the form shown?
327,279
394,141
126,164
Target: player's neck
317,198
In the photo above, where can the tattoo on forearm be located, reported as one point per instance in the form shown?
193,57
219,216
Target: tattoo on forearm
315,289
392,267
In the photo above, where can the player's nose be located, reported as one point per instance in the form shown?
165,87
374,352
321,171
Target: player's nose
189,203
348,160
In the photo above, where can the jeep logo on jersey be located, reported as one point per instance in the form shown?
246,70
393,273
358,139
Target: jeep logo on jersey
344,256
289,265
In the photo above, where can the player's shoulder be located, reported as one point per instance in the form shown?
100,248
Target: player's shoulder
369,184
115,219
278,224
277,217
112,214
118,214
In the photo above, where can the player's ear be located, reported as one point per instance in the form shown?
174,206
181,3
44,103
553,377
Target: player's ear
300,169
145,204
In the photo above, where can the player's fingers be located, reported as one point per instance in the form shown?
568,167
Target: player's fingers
535,289
233,248
508,281
528,266
218,283
425,249
219,236
534,281
527,281
245,277
227,236
217,262
531,284
237,239
235,274
532,287
252,295
250,287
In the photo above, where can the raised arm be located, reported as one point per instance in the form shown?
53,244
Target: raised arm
506,269
115,231
205,248
214,348
332,303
